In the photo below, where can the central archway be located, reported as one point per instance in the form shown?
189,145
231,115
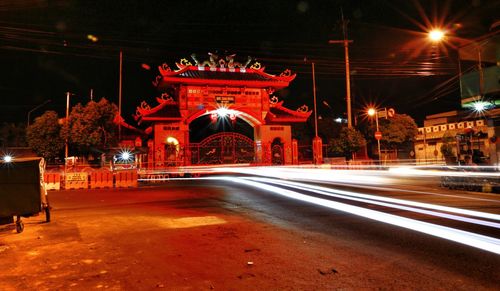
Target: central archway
221,139
223,148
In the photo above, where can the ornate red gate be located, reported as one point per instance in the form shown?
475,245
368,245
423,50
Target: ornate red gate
223,148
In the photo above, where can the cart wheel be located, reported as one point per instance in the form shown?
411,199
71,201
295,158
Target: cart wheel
19,226
47,214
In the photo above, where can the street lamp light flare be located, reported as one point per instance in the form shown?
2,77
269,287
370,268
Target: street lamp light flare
436,35
125,155
480,106
371,111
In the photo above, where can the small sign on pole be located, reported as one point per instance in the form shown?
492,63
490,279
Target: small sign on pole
378,135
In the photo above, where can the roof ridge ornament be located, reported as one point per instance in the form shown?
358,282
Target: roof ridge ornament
256,66
183,63
273,100
215,61
286,73
164,69
165,98
303,109
143,108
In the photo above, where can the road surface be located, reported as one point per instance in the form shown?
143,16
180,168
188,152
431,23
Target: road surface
229,234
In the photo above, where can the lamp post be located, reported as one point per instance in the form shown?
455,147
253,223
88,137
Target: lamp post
68,94
439,36
317,142
372,112
29,112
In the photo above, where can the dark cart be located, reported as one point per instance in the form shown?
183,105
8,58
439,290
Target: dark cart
22,191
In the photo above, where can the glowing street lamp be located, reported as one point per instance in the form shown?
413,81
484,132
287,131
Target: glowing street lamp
374,112
7,158
436,35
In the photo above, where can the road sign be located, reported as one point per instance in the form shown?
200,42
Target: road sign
378,135
391,112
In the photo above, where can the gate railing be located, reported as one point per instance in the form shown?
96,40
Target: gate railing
223,148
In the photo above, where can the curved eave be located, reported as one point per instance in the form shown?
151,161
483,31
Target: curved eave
286,120
175,73
146,118
295,114
216,82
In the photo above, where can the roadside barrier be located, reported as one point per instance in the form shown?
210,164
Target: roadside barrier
52,181
76,181
101,179
126,179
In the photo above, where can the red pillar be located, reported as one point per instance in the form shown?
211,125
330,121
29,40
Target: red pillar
317,150
295,152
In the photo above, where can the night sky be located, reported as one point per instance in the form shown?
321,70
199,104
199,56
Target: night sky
45,50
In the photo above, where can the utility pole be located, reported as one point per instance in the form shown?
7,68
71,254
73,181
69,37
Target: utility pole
317,141
68,94
314,96
346,42
120,98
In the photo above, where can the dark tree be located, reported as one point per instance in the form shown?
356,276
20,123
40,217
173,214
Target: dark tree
44,136
91,128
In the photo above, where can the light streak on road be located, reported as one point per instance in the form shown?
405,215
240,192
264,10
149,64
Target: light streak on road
341,176
375,200
468,238
366,177
381,188
462,171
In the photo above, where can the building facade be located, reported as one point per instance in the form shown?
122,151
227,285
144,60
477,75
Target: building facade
451,136
219,90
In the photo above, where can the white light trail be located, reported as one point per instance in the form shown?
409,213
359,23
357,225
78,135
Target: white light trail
462,171
327,191
344,176
375,200
471,239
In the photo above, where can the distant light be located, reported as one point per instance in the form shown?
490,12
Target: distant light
222,112
436,35
172,140
7,158
125,155
338,120
146,66
92,37
371,111
480,106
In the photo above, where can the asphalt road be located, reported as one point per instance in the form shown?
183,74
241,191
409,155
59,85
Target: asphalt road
195,234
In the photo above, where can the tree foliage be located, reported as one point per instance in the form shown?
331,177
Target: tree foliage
397,131
91,127
448,145
349,141
44,136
